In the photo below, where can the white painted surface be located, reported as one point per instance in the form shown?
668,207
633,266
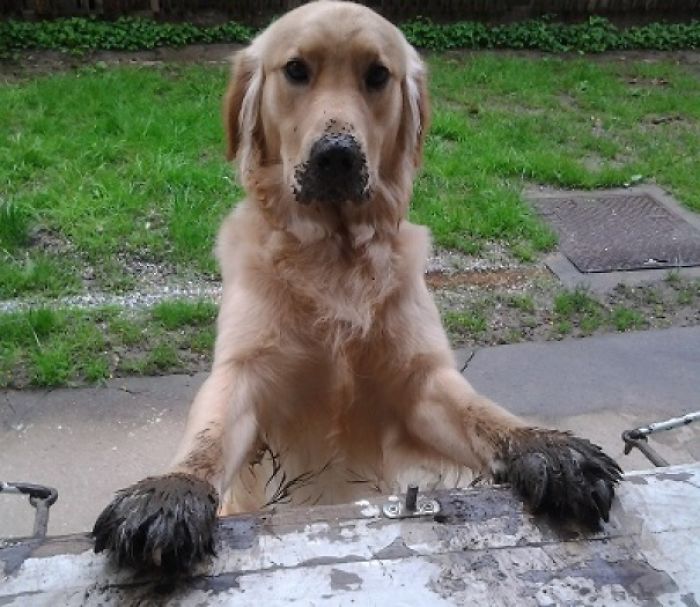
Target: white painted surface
350,555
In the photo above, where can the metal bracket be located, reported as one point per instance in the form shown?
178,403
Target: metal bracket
412,506
632,439
639,436
40,497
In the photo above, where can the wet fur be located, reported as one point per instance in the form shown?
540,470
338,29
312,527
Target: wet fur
561,474
171,517
330,350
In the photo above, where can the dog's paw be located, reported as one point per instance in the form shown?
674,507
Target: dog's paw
163,522
562,475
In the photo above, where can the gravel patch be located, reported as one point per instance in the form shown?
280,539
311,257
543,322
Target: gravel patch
157,282
494,256
133,300
486,300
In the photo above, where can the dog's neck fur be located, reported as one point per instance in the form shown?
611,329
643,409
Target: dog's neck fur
343,277
341,262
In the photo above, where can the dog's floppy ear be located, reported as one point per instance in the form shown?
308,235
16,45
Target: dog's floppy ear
417,105
242,103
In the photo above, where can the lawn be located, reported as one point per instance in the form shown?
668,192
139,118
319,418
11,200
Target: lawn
46,347
107,166
128,162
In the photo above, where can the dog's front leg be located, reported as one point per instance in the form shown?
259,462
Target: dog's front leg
554,471
167,522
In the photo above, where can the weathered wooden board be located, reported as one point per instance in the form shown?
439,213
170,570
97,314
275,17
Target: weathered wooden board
482,549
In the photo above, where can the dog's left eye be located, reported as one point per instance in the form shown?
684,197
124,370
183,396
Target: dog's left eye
297,71
376,77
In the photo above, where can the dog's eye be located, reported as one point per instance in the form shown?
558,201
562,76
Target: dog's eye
376,77
297,71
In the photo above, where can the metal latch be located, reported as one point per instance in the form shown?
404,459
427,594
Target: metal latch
42,498
412,507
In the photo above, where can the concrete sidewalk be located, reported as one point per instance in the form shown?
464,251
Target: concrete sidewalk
89,442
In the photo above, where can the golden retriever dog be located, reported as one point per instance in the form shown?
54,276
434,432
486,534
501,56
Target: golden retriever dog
332,374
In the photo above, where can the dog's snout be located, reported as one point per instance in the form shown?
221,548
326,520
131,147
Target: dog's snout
336,171
336,156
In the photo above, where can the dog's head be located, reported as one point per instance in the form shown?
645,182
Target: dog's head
328,108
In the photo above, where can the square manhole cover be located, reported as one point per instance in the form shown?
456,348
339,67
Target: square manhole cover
607,232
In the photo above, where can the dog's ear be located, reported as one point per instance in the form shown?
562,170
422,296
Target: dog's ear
242,102
417,105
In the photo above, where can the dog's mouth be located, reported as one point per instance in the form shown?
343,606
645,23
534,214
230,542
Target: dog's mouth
335,172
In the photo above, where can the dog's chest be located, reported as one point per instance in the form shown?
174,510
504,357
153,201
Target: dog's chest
339,288
339,406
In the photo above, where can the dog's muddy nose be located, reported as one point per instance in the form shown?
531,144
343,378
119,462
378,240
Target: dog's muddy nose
335,157
336,171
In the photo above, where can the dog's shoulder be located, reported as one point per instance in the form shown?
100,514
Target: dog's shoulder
241,234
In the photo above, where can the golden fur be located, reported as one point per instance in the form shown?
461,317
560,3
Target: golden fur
332,370
332,375
329,345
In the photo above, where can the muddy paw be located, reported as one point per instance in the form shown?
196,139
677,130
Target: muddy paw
562,475
164,522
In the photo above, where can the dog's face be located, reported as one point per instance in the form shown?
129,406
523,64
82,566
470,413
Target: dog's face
329,105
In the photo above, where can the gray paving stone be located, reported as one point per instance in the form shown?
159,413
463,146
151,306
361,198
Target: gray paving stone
89,442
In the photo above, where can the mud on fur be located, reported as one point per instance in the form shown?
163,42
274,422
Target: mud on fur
163,522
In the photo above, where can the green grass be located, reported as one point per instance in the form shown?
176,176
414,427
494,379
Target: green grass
14,226
203,340
49,347
590,314
468,323
500,123
36,274
177,314
126,160
581,307
686,296
160,359
45,347
129,160
524,303
126,330
564,327
625,319
578,301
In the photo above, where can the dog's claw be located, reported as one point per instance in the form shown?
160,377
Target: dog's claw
563,475
164,522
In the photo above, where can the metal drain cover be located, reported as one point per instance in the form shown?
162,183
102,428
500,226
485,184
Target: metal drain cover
607,232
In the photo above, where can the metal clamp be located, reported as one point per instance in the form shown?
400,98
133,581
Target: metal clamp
633,439
638,437
40,497
412,506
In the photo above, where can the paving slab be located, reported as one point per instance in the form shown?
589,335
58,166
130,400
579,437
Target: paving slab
89,442
600,386
644,371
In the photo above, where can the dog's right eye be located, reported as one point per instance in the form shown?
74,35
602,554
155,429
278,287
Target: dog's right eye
296,71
